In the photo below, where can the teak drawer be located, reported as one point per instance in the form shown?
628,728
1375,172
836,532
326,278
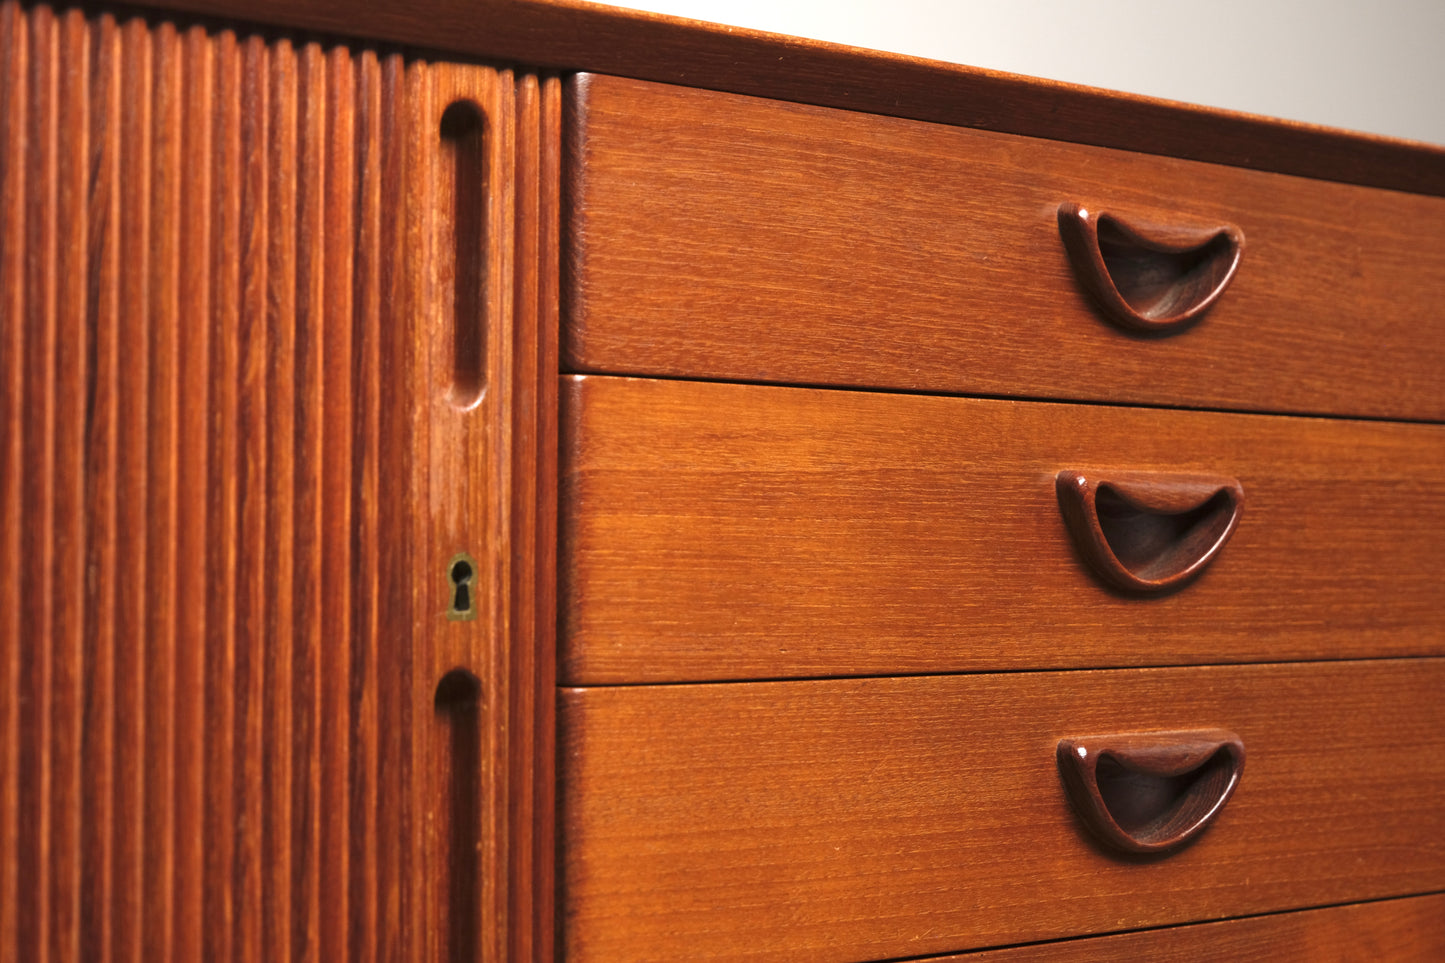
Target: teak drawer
726,237
1398,930
887,818
714,531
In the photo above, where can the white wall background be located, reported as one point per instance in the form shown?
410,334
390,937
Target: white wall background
1368,65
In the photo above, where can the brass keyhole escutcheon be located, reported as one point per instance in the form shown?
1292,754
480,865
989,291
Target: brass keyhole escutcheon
461,570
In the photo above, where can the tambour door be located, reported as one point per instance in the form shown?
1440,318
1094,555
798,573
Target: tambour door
263,339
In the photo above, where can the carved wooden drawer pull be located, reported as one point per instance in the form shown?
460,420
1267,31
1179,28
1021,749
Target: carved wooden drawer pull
1151,278
1153,791
1147,531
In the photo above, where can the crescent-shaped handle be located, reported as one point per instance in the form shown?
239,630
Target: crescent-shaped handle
1151,278
1148,531
1150,792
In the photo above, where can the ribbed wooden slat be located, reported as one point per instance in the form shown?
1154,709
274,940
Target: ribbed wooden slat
279,381
334,595
37,540
310,259
14,50
251,536
220,602
98,792
361,661
159,234
195,150
222,507
132,444
68,570
393,826
533,516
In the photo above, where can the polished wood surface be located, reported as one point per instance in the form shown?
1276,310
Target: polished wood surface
575,35
725,237
526,412
234,468
715,531
889,818
279,491
1403,931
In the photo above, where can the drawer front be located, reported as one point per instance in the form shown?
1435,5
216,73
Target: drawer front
887,818
714,531
1398,930
721,236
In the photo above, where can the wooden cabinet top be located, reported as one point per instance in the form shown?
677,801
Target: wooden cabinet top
575,35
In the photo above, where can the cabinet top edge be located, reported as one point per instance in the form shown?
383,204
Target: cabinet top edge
574,35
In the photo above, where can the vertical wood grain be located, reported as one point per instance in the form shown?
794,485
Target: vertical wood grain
13,102
361,662
229,472
159,518
335,595
279,511
68,572
194,398
221,605
37,489
533,515
464,201
250,469
310,252
101,494
133,330
396,401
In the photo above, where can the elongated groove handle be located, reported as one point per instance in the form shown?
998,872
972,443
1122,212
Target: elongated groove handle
1145,277
1149,531
1150,792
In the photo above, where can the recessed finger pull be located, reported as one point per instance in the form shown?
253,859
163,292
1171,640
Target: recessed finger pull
1148,532
462,254
1149,277
1150,792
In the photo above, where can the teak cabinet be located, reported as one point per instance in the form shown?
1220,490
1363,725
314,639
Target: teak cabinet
537,481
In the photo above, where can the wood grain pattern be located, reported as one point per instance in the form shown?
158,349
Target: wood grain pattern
532,540
889,818
275,347
579,35
715,531
229,473
1405,930
725,237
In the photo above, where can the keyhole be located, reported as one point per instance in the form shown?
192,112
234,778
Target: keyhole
460,573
